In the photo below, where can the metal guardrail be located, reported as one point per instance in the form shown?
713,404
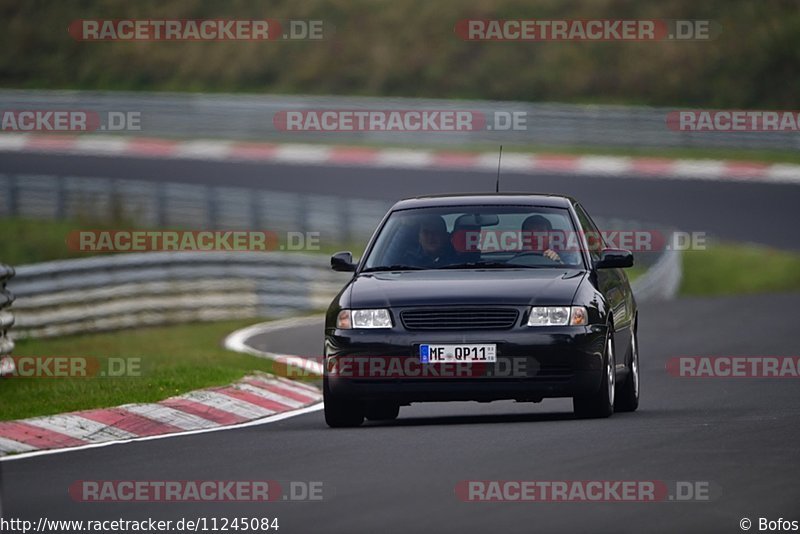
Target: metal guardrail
662,280
140,289
177,205
229,116
6,320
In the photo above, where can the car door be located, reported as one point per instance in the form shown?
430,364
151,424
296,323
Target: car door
612,283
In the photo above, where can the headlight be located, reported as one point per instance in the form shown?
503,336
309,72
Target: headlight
558,316
348,319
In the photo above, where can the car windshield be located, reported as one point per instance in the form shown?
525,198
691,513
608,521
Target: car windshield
476,237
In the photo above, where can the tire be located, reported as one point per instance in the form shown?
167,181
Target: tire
385,411
339,412
601,403
628,391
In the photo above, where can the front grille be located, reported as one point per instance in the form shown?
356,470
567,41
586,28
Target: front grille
460,319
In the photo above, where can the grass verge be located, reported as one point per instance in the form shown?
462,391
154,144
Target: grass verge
45,240
174,360
36,240
728,269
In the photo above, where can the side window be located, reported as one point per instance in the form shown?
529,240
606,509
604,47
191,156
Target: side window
594,238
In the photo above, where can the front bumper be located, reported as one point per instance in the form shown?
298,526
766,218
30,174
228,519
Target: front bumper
533,363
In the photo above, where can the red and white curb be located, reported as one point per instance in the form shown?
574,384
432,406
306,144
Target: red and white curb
255,399
305,154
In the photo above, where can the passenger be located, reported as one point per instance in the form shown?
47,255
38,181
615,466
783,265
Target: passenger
434,248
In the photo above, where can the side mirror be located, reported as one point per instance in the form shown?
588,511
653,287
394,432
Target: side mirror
613,258
343,261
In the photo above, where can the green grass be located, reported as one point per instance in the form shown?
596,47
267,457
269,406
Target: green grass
635,272
735,269
174,360
36,241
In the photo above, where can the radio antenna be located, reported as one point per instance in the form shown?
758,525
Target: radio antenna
499,159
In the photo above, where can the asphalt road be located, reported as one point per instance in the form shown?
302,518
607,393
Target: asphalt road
761,213
740,435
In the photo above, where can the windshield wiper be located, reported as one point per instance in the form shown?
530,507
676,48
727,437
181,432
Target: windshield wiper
395,267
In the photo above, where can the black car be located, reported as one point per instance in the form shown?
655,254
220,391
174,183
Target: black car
482,297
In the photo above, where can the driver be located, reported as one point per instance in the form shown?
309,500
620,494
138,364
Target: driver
536,232
434,248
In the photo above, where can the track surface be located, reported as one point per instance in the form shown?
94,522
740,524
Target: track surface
761,213
739,434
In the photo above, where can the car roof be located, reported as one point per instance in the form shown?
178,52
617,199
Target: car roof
484,199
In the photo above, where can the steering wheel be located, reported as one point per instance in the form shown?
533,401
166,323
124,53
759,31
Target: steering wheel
533,253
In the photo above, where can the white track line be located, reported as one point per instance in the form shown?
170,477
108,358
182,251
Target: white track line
785,173
100,146
236,341
604,165
404,158
302,154
202,150
13,142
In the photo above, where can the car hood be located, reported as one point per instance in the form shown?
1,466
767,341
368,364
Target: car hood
528,287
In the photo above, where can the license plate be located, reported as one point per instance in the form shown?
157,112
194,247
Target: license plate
457,353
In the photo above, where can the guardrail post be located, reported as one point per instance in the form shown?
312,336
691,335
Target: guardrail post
61,200
6,321
13,196
115,207
161,202
302,215
256,211
212,206
345,233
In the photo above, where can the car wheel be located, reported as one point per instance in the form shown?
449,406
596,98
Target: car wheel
600,404
384,411
339,412
628,393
